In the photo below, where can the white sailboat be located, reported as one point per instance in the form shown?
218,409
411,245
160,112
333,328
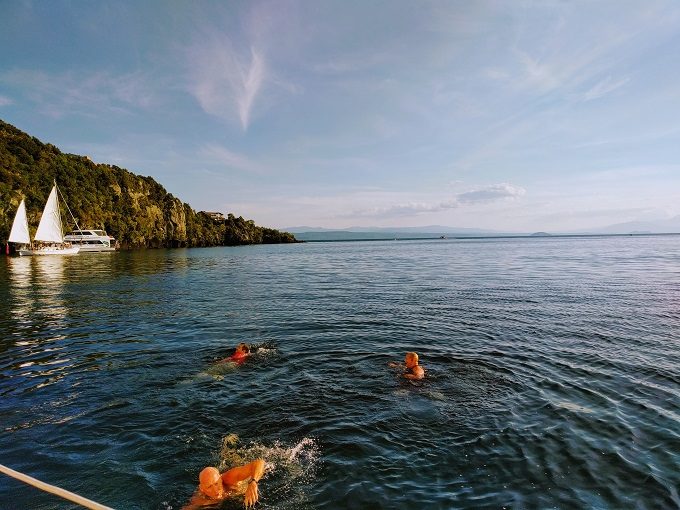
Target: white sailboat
19,233
49,238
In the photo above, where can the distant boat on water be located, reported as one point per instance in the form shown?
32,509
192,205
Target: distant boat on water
49,238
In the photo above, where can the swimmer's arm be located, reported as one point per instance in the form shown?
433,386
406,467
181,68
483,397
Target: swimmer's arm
395,364
197,501
254,470
419,373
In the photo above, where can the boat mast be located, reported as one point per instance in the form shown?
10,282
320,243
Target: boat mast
67,207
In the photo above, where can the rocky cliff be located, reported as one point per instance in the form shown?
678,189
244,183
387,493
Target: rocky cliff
136,210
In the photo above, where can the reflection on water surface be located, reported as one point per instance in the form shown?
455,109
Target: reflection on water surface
553,373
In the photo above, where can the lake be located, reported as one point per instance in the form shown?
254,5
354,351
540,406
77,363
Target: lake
552,373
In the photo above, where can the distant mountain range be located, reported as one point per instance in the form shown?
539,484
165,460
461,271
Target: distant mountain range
428,229
378,233
307,233
668,226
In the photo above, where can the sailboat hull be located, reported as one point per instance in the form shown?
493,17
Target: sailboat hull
51,250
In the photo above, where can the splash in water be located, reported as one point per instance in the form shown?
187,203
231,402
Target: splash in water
264,349
287,468
223,367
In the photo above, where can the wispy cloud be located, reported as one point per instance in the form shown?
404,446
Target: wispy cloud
609,214
352,63
251,86
561,63
490,194
224,81
628,174
603,88
5,101
231,160
539,73
404,209
640,138
484,194
67,93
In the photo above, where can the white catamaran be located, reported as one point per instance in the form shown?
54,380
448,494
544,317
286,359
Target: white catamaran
91,240
49,238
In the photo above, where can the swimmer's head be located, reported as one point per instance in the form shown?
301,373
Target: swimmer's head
411,359
243,347
210,482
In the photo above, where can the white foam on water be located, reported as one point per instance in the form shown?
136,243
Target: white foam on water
437,395
286,466
263,352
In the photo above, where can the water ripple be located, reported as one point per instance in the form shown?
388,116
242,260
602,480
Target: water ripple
553,373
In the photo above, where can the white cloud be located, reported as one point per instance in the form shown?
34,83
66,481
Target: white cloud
603,88
606,214
67,93
405,209
353,62
496,74
551,59
5,101
366,206
224,81
538,73
251,86
484,194
632,173
490,193
232,160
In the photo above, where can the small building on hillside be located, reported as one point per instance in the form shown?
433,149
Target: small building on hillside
216,216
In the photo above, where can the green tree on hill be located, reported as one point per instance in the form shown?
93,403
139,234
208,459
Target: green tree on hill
136,210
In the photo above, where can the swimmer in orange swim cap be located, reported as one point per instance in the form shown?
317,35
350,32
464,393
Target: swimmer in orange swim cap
214,487
240,354
413,369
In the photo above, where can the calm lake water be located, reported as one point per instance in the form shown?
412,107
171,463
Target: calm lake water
553,373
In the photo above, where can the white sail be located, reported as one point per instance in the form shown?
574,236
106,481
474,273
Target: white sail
49,229
19,232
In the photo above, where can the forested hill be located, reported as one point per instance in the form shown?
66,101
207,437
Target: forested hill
136,210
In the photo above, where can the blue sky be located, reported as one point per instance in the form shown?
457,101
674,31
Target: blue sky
509,115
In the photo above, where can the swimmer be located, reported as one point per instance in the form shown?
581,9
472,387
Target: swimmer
413,369
240,354
214,487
